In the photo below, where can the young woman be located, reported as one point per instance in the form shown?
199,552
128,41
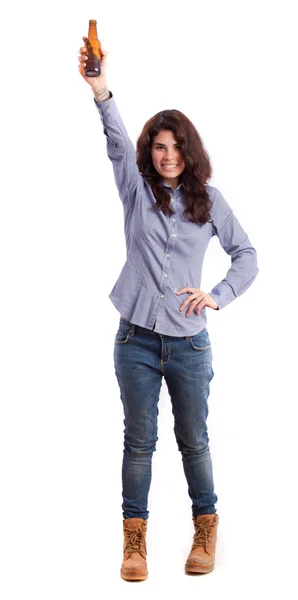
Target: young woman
170,215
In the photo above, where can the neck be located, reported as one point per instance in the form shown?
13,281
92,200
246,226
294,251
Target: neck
173,183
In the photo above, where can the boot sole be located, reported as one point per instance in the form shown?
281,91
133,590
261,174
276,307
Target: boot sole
133,576
198,569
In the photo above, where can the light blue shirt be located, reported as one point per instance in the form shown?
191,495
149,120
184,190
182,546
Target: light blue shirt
166,253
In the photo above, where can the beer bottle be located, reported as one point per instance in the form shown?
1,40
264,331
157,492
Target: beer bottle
93,47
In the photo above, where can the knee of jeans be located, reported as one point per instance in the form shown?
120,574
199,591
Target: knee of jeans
194,445
139,446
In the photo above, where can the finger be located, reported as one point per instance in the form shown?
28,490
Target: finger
186,302
81,68
184,290
191,308
104,59
200,306
197,296
183,306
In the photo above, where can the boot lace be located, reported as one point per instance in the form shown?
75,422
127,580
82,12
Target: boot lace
135,542
201,536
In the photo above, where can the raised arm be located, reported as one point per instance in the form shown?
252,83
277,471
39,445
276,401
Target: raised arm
119,147
235,242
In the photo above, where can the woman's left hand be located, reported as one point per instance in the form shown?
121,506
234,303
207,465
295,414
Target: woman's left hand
196,300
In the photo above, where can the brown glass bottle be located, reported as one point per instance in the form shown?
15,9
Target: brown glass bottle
93,49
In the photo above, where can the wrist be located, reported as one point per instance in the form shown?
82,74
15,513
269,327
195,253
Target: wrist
101,93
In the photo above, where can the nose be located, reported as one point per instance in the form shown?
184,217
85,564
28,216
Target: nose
170,153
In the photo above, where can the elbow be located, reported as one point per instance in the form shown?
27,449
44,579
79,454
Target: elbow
248,258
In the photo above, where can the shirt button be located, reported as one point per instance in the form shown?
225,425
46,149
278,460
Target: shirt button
173,220
162,296
165,275
173,234
168,255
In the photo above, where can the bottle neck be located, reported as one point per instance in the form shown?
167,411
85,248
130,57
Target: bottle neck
92,33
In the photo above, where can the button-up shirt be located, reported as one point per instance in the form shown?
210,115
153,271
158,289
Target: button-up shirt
165,253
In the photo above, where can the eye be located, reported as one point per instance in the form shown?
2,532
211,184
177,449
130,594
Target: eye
159,147
178,147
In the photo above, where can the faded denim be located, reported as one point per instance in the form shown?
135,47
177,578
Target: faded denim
142,358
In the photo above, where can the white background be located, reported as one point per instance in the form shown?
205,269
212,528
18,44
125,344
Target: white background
229,66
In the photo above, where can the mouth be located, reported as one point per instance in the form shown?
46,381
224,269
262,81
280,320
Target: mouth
169,167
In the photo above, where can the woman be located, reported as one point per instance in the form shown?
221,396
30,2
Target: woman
170,215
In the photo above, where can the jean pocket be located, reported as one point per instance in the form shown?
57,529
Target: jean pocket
200,341
123,332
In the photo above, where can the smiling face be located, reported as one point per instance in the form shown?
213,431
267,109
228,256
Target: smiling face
167,157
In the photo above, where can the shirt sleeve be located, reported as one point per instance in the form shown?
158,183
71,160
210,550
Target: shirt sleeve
120,149
235,242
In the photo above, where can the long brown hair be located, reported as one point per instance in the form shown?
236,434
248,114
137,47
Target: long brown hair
197,169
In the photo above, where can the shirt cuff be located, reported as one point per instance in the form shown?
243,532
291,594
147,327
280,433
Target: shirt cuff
223,294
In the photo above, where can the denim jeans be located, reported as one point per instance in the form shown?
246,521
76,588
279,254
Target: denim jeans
142,357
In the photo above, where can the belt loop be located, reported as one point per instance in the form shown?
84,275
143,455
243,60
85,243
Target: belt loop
132,329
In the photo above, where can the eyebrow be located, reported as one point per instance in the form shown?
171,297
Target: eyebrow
161,144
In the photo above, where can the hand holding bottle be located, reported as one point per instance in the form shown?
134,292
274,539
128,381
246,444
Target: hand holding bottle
98,84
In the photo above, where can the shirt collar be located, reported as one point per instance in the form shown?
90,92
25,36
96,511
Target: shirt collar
179,187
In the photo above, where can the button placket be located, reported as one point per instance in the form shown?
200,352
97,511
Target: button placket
168,254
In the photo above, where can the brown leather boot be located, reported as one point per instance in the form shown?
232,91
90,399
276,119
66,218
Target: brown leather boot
201,557
134,567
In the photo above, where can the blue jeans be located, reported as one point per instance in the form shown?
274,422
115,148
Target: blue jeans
142,357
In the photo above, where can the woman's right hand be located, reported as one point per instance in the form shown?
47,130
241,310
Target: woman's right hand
97,83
